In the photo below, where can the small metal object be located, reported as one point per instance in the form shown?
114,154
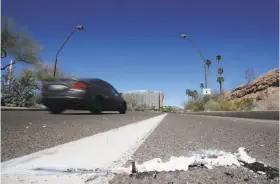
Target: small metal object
133,169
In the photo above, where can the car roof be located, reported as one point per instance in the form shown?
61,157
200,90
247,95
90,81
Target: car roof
90,79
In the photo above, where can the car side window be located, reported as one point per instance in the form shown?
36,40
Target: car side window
114,92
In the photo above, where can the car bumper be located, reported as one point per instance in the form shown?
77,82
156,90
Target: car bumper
68,101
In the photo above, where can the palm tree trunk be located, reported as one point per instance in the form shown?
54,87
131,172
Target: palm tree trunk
205,74
221,90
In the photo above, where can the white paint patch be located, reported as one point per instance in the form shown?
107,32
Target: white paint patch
110,149
209,158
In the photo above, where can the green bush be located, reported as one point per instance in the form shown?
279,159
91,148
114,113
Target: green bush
226,105
219,104
141,107
21,90
243,104
195,105
167,109
212,105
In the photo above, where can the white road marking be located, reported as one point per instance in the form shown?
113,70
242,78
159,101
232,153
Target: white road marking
109,149
239,120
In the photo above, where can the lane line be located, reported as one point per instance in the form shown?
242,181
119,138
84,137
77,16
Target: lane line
108,149
248,120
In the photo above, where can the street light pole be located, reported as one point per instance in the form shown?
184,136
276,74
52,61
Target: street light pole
201,55
55,62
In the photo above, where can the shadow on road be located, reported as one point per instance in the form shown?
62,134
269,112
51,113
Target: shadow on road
88,113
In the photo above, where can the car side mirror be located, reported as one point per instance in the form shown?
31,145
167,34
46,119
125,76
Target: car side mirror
120,94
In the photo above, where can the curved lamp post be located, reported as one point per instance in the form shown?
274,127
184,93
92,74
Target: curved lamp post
201,55
55,62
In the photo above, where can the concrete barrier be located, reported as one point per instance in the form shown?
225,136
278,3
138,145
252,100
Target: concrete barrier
267,115
3,108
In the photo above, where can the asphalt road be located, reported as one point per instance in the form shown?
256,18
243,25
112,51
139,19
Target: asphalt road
25,132
177,135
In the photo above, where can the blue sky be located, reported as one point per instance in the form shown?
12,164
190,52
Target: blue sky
136,44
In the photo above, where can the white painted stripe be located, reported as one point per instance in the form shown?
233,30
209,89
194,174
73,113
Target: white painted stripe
110,149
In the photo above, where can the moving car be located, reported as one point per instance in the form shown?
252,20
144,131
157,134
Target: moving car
95,95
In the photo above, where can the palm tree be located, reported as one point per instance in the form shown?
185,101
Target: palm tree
191,94
218,58
201,87
220,71
195,93
220,80
208,63
188,93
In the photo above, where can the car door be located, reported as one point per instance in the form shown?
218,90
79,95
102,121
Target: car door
110,99
109,94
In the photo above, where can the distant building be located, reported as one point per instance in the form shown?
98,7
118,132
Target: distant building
147,97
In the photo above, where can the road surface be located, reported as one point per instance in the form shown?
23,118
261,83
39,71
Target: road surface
175,135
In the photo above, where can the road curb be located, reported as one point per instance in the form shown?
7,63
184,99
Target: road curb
267,115
22,109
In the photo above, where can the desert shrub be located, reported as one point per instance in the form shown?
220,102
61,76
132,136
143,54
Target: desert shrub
21,90
219,104
226,105
195,105
244,104
212,105
129,107
167,109
141,107
153,108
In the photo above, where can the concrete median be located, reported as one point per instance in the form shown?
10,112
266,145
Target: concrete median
268,115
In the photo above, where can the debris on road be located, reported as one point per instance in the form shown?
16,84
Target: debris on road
229,174
208,159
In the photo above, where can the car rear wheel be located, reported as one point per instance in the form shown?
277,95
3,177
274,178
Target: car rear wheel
56,110
96,106
122,109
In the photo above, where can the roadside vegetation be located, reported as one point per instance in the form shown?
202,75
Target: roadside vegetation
219,104
216,102
17,48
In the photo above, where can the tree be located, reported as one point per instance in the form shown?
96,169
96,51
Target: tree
191,94
249,74
218,58
195,94
20,91
17,45
201,87
220,80
188,92
43,71
208,63
220,71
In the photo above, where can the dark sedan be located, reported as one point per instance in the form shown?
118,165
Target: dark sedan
95,95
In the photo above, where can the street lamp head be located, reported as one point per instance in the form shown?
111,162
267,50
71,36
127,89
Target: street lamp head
183,36
80,27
